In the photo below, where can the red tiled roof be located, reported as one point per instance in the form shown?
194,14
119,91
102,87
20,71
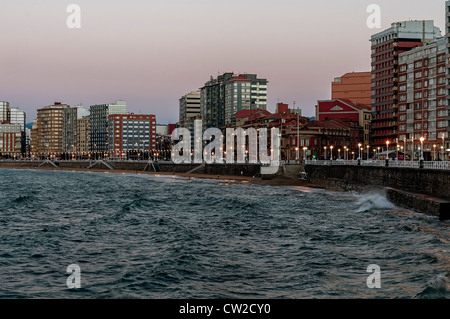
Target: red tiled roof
247,113
357,105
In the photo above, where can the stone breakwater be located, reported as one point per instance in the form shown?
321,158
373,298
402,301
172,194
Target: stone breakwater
426,191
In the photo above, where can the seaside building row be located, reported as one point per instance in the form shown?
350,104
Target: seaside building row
62,131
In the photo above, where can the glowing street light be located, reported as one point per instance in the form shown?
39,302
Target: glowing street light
331,156
387,149
421,147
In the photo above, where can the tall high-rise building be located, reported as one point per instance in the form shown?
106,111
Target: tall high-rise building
222,97
4,112
189,108
131,132
69,136
99,124
83,134
386,47
34,139
17,116
422,99
355,86
446,140
50,123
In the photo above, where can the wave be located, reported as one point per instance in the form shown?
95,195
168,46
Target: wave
437,288
368,202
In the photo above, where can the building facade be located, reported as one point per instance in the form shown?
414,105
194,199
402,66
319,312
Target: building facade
221,98
422,100
50,122
69,135
446,147
10,140
347,111
131,132
189,108
99,124
355,86
17,116
4,112
83,135
386,47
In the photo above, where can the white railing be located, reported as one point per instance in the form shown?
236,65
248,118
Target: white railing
443,165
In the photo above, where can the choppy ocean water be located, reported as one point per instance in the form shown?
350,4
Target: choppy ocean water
144,236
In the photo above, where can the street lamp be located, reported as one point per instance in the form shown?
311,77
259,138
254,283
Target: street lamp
331,156
387,149
421,147
298,155
325,151
368,147
434,151
304,154
339,153
359,149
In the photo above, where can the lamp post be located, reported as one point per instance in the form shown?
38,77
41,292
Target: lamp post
443,146
345,150
304,154
297,152
434,152
368,147
359,149
325,153
421,148
387,149
331,155
339,153
404,153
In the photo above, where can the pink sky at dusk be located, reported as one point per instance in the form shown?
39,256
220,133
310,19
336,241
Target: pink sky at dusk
150,53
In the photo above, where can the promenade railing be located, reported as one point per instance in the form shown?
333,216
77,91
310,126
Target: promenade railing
439,165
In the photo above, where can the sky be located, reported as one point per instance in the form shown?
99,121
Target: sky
152,52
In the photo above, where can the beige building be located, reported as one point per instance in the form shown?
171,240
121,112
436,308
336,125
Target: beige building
49,138
83,134
189,108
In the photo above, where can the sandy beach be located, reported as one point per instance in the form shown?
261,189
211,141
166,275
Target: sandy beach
244,179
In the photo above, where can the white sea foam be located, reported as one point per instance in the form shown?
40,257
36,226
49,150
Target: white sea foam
372,201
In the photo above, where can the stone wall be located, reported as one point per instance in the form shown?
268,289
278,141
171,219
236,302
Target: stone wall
360,178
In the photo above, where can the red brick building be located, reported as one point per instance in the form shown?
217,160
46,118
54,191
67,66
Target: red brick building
355,86
386,47
131,132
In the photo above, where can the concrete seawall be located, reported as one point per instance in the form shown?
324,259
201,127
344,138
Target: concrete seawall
426,191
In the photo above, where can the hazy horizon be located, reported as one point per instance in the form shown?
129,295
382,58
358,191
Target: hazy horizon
150,53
